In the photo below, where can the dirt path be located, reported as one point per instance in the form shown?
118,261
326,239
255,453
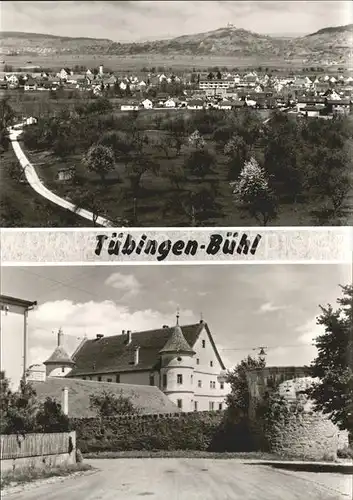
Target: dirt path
34,181
191,479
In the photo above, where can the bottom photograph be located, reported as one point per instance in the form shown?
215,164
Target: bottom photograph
193,381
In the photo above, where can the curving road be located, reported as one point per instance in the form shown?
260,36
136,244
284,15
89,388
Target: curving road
34,181
191,479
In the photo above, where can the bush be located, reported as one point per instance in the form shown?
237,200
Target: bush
346,452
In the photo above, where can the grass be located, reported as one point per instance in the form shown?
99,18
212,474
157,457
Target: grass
21,206
26,475
255,455
173,62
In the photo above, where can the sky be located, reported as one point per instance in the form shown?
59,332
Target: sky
143,20
245,306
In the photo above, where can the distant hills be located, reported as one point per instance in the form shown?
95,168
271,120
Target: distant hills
332,43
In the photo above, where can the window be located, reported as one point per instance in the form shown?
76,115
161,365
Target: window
164,379
211,363
195,405
199,383
191,378
204,343
211,384
109,380
211,405
197,361
151,379
99,378
220,406
83,378
179,378
222,385
180,403
117,378
62,369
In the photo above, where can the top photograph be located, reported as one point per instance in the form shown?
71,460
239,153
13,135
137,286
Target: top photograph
176,113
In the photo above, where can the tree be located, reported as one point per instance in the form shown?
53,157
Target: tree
19,409
7,117
50,417
239,398
238,153
196,205
176,175
107,404
333,393
100,159
200,162
253,192
196,140
137,166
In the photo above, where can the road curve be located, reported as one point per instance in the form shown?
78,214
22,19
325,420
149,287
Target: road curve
34,181
190,479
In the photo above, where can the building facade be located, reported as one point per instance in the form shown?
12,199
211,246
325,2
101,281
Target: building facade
182,361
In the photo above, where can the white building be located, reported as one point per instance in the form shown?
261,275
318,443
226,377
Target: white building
183,362
59,363
147,104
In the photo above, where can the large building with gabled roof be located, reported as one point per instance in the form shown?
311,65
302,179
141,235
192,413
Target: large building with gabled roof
182,361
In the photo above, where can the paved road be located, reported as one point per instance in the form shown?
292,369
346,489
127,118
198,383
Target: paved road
34,181
191,479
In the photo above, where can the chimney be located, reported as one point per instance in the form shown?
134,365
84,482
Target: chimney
60,335
136,355
65,401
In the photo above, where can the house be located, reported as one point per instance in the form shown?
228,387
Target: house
170,103
30,84
147,104
225,105
182,361
133,106
14,332
64,73
30,120
195,104
66,173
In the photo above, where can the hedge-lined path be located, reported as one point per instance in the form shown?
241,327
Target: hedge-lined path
35,183
192,479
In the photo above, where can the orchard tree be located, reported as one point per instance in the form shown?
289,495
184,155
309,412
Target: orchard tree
7,117
108,404
333,393
237,151
252,190
100,159
200,162
239,398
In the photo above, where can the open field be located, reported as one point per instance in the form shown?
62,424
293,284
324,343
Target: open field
176,63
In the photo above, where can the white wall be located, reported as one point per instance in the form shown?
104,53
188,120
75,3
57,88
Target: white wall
12,345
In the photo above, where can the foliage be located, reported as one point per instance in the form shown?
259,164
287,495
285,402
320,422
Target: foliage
21,412
7,117
333,393
239,398
100,159
196,140
200,162
108,404
253,191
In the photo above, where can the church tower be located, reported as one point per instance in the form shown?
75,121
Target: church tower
177,369
59,363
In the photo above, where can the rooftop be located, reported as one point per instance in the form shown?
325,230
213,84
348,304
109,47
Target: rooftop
148,399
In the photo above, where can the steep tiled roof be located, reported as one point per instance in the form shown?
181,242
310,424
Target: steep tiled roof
146,398
177,343
59,356
111,354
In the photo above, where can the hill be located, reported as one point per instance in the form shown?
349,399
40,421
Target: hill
332,43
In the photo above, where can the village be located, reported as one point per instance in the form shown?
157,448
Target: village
323,95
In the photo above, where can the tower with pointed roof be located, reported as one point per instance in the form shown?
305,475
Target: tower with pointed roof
177,369
59,364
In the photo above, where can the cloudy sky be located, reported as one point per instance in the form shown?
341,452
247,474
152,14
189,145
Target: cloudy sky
246,306
141,20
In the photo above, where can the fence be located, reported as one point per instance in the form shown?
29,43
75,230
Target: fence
37,449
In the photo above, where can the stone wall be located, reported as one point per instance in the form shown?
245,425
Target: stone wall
296,429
